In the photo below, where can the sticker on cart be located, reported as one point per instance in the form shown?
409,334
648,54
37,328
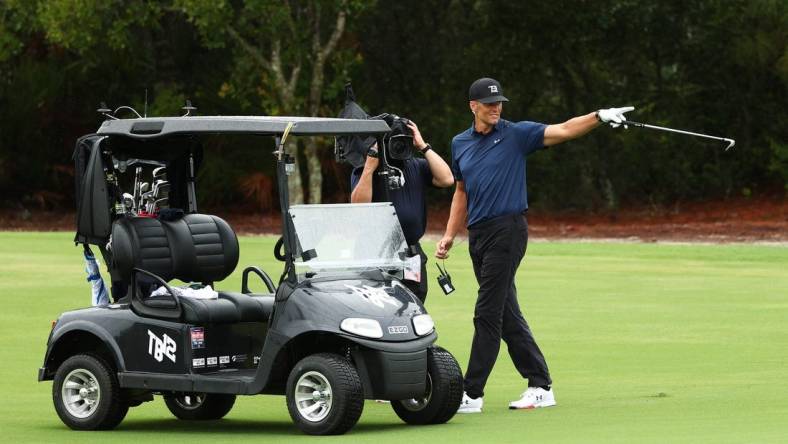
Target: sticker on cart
213,361
224,359
198,362
198,337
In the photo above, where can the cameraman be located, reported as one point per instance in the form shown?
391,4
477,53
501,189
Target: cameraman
409,200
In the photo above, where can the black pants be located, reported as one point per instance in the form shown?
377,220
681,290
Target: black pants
419,288
497,246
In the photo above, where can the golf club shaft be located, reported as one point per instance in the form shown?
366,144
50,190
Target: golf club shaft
730,142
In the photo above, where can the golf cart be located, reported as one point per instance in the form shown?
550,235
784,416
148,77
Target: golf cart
338,328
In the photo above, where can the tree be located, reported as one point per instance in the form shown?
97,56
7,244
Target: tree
708,66
274,43
60,58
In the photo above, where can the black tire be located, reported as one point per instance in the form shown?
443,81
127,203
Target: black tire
87,395
199,406
340,389
444,392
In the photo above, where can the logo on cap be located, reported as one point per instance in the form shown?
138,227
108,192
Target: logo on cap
486,90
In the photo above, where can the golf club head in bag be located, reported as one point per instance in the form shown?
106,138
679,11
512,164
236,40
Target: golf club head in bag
159,173
158,204
147,199
144,188
161,188
129,204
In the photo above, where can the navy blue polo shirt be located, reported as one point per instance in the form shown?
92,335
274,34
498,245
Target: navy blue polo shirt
409,201
492,166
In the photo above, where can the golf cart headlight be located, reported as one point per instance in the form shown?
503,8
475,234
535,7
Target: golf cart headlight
423,324
362,327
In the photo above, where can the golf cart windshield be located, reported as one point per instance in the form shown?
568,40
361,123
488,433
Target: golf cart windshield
348,237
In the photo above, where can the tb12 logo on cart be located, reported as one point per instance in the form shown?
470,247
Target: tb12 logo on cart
161,347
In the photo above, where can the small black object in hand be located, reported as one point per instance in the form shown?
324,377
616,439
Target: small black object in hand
444,280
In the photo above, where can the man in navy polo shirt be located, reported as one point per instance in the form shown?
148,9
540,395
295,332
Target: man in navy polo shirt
409,200
488,162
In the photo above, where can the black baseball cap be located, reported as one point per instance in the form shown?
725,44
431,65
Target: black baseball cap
486,90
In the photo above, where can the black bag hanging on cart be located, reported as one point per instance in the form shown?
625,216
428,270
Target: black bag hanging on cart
92,193
352,149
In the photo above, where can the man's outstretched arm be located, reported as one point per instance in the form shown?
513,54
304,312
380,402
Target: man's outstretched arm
578,126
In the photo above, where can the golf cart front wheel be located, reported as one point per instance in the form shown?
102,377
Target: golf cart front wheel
443,393
199,406
324,395
87,395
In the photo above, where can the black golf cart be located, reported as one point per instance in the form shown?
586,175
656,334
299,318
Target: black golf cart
337,329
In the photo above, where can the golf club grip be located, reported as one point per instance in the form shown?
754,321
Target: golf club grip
633,123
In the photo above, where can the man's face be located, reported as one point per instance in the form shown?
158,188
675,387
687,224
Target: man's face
487,113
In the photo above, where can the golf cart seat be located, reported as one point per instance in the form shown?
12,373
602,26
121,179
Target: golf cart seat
251,307
195,248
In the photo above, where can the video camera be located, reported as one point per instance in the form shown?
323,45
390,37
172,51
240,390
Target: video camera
399,142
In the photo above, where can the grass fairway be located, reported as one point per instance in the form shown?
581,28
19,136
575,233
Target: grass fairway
646,343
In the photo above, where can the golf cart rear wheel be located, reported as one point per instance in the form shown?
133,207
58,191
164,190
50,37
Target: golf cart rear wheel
443,394
87,395
324,395
199,406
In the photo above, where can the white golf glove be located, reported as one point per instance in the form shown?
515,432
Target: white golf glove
614,116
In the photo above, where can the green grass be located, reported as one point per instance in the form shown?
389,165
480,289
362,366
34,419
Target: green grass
646,343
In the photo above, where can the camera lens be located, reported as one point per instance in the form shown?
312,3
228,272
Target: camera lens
400,147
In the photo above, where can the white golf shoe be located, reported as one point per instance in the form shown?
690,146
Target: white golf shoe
470,405
534,398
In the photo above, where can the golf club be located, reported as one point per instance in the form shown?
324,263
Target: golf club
730,142
128,203
137,182
159,186
156,205
159,173
162,191
145,196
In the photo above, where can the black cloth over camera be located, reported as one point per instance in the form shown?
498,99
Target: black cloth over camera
353,149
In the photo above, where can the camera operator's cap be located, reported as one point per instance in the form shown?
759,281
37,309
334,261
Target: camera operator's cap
486,90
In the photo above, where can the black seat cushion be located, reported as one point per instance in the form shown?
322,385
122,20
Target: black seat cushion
141,242
205,248
208,311
251,307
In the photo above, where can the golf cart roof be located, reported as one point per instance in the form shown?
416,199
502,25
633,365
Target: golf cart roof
155,127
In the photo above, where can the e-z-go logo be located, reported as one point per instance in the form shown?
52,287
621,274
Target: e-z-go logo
159,348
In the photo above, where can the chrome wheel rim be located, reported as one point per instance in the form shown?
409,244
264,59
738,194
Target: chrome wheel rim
418,404
313,396
190,401
81,393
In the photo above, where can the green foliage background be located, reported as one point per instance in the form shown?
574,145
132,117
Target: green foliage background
719,67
